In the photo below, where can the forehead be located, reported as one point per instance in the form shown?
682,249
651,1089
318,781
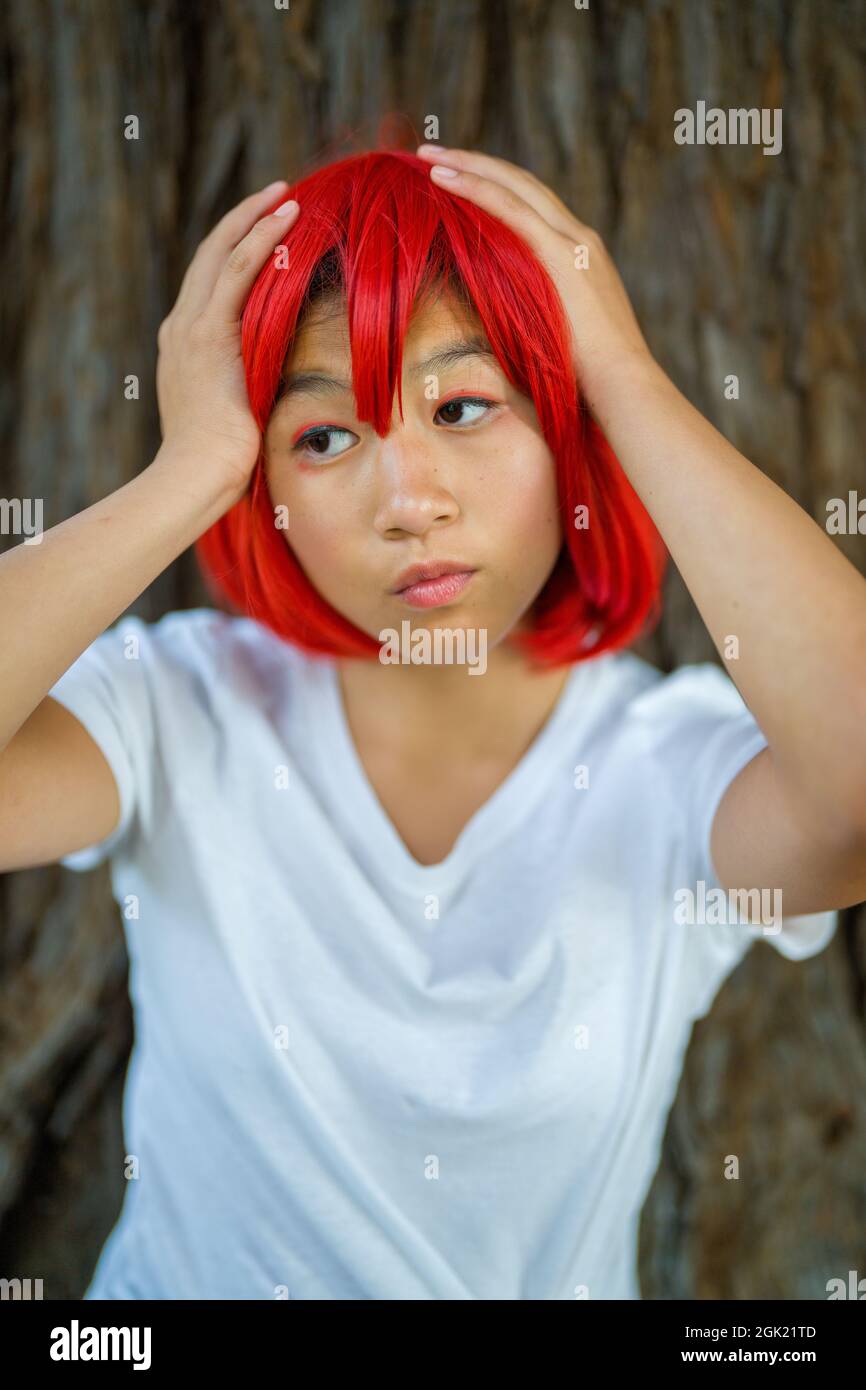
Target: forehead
324,332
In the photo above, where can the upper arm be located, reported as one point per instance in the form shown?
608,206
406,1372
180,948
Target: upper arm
762,839
57,790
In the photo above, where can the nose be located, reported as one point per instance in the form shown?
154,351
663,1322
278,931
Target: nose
414,491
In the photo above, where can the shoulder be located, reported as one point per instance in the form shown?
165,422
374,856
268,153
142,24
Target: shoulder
687,707
690,730
185,634
205,641
699,731
647,699
196,658
698,689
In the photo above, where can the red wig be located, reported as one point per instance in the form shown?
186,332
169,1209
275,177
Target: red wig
376,227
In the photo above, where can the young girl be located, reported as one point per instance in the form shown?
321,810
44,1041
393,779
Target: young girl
424,877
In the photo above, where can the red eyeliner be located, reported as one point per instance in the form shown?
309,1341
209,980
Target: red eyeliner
316,425
464,396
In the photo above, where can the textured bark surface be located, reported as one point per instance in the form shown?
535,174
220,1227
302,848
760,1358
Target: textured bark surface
737,263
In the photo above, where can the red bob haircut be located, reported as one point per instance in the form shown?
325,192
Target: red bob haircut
375,227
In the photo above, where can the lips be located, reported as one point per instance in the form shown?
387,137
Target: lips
432,593
431,585
433,569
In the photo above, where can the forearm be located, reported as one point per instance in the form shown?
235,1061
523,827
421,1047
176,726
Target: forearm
760,571
58,595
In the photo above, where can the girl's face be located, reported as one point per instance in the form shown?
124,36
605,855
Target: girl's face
466,477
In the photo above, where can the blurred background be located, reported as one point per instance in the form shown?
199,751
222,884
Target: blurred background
128,130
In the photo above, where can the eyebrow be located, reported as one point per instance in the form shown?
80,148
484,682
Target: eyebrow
315,381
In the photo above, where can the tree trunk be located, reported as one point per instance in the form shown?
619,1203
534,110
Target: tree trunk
739,263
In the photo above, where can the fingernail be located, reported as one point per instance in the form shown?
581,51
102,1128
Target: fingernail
443,171
285,209
273,187
428,146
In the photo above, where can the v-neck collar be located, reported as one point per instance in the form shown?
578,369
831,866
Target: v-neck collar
511,801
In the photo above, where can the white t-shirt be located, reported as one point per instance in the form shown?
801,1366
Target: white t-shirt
359,1077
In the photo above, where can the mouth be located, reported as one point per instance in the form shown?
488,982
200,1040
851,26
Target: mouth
428,586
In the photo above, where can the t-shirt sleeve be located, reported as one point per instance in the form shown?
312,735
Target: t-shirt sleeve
107,691
702,734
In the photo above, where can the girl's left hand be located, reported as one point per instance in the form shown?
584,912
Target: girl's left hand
606,336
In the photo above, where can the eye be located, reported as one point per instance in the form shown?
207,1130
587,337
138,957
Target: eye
460,403
315,444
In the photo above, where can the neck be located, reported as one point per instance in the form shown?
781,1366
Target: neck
443,710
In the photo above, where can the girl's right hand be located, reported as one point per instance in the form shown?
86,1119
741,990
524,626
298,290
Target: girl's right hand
201,388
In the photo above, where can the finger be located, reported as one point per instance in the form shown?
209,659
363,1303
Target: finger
520,181
500,200
244,262
201,275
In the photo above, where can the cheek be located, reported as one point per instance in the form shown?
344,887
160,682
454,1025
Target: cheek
528,497
309,530
321,536
316,538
